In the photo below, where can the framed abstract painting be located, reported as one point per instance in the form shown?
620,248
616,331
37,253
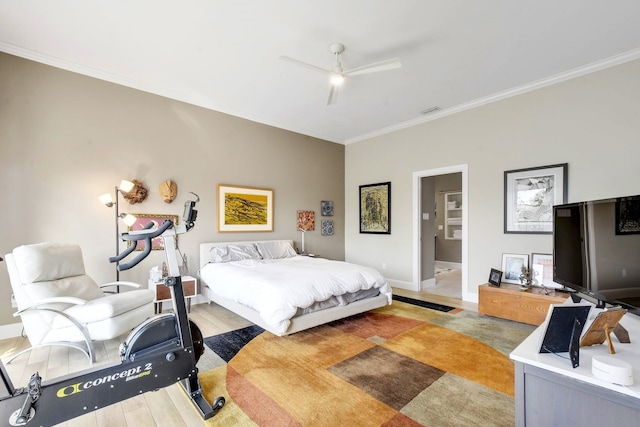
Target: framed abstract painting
375,208
244,209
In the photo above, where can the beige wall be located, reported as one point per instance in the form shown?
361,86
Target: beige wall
65,139
592,123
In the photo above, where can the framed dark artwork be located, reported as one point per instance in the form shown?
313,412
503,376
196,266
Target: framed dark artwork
628,215
375,208
327,227
326,208
512,265
495,277
529,196
142,220
244,209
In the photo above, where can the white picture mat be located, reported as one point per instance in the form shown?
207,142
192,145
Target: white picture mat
530,195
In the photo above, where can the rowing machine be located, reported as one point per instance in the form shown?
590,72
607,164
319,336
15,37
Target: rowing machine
159,352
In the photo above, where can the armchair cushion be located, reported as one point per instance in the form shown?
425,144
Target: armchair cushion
108,307
83,287
47,261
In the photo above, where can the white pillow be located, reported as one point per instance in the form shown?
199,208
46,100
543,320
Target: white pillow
275,250
236,252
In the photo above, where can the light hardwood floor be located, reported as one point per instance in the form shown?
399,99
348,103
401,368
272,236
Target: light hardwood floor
165,407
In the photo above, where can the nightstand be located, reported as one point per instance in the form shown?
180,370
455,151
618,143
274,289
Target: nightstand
163,293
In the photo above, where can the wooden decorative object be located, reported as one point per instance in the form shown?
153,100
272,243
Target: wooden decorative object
138,194
168,191
601,328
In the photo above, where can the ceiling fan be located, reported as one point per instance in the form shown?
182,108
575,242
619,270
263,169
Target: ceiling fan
337,75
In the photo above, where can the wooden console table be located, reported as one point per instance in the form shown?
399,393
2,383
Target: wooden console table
510,302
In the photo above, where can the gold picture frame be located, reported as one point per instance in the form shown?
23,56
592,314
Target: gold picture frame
244,209
157,244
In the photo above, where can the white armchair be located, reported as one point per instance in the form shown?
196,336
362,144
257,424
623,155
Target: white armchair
61,305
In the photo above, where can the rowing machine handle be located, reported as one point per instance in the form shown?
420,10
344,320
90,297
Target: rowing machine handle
145,234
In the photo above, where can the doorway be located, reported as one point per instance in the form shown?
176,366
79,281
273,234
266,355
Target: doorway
440,232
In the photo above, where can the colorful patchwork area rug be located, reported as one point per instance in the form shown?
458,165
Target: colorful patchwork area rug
400,365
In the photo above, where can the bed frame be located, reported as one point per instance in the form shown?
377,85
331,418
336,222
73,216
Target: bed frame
298,323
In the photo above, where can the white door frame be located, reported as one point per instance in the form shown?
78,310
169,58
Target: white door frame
417,188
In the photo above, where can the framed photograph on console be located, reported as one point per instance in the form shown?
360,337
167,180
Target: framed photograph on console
529,196
375,208
512,266
542,271
244,209
495,277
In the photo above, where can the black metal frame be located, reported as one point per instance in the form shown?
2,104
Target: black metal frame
384,217
495,277
535,172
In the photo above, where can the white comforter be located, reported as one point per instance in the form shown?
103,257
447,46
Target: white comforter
277,288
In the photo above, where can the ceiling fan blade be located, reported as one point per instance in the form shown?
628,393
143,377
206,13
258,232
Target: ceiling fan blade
388,64
303,64
333,95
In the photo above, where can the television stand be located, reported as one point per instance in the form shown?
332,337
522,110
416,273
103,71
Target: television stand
550,392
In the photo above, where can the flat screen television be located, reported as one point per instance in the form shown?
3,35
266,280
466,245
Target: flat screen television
596,250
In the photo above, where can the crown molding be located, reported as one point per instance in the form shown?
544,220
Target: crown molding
535,85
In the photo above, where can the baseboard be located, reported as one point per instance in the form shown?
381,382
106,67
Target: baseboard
11,330
199,299
427,283
447,264
401,284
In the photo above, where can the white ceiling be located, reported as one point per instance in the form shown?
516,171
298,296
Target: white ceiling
223,54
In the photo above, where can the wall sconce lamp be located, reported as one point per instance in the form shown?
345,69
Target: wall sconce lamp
124,187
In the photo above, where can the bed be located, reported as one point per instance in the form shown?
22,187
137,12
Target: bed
267,283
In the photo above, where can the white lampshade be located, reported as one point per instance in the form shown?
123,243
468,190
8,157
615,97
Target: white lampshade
128,219
126,186
106,199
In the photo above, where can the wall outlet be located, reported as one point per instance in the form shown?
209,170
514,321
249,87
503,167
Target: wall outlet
384,265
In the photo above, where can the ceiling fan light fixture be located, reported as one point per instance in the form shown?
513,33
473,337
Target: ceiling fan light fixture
336,79
337,75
